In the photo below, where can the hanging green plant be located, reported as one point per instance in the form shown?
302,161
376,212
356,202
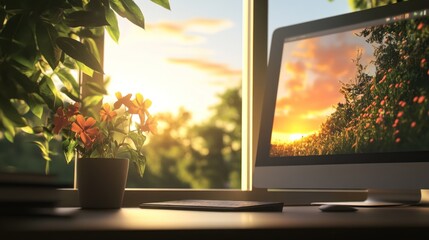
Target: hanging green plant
42,44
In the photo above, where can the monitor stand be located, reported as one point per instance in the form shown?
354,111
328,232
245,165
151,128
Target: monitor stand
382,198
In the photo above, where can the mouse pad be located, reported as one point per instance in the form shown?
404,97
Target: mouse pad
216,205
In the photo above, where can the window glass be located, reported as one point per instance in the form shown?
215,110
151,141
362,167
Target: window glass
283,13
188,62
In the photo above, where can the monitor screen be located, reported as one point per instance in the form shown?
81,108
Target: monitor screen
347,102
355,90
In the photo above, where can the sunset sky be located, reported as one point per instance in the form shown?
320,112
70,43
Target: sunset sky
183,58
310,81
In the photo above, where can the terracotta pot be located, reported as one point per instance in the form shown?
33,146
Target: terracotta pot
101,182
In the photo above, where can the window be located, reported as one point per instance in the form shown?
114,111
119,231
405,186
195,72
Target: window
188,62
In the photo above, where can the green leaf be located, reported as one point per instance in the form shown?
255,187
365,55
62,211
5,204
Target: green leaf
163,3
113,28
92,46
128,9
141,166
43,149
20,45
27,129
49,93
79,52
9,136
69,94
18,28
69,147
85,69
36,103
37,110
15,84
20,105
70,83
46,35
19,78
26,58
86,18
139,161
11,117
7,126
137,139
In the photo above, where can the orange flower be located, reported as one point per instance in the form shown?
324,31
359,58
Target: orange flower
421,99
60,120
151,125
106,115
420,26
85,130
122,100
413,124
139,106
73,110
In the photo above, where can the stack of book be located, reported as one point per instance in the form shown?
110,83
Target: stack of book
27,191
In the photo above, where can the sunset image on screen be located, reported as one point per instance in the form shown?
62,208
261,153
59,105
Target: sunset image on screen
364,90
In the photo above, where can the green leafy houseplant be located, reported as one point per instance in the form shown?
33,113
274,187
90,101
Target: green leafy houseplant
43,43
111,134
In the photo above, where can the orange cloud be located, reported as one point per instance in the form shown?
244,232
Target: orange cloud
311,79
207,25
210,67
297,73
189,30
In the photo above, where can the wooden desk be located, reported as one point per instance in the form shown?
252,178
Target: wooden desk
292,223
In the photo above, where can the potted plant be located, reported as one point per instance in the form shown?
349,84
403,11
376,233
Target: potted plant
42,43
104,144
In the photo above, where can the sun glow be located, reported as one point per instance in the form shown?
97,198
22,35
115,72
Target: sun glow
174,73
282,138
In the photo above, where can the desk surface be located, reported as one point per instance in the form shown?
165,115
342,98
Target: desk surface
302,222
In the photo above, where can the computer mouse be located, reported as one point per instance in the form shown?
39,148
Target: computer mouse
336,208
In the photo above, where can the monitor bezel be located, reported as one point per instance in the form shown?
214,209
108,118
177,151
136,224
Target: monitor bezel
311,29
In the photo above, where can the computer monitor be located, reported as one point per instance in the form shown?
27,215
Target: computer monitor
346,105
